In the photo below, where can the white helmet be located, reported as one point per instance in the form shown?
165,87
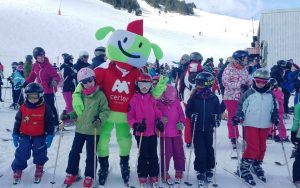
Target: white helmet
83,53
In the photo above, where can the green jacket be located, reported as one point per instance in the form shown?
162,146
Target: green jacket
296,119
94,105
27,68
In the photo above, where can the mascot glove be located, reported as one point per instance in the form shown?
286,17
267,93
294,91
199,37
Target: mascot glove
77,101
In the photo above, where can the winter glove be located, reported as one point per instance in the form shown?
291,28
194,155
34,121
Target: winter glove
275,121
194,118
140,127
216,120
294,137
24,84
64,116
180,126
16,139
165,120
96,122
244,87
77,100
49,139
53,83
159,125
236,120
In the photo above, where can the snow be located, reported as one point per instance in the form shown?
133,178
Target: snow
26,24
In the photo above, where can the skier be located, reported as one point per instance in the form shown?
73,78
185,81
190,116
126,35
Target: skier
99,58
33,130
171,140
43,72
145,118
96,111
203,110
14,66
257,109
82,61
27,65
236,80
18,80
295,139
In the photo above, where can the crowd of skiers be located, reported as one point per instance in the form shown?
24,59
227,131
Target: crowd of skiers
254,97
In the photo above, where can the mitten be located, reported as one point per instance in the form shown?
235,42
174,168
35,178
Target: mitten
64,116
49,139
159,125
53,83
180,126
96,122
236,120
16,139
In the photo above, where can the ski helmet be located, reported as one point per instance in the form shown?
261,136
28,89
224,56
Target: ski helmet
38,51
204,79
85,73
99,51
20,68
170,95
196,56
68,58
240,55
185,58
143,83
261,74
64,55
14,65
28,58
34,88
83,53
281,63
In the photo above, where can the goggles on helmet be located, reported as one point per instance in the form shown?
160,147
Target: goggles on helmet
260,81
87,80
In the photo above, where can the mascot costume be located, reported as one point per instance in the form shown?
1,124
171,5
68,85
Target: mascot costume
128,51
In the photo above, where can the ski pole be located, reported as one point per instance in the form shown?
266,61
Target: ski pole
215,153
61,126
95,157
190,155
159,160
285,158
238,155
164,156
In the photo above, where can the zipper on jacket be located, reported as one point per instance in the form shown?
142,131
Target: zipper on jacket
203,115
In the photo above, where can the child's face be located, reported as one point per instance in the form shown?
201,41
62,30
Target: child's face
144,87
87,83
33,97
260,83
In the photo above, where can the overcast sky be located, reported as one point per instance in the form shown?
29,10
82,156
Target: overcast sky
243,8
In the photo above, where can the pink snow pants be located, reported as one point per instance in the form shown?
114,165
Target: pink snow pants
231,106
68,101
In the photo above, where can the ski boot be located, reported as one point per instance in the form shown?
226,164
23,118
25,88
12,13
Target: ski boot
70,179
154,182
233,142
258,171
167,180
201,179
39,170
245,171
125,170
209,176
17,176
178,177
88,182
143,182
103,172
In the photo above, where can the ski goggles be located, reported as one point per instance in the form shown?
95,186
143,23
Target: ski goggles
144,84
32,96
87,80
260,81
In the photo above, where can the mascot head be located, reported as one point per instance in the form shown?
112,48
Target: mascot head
129,46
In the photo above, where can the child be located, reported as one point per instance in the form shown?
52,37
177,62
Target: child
295,138
203,110
281,128
144,117
18,80
257,109
171,140
33,130
94,114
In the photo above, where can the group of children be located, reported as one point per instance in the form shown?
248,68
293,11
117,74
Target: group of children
153,119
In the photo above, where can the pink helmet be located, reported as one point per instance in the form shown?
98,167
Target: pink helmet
170,94
20,68
85,73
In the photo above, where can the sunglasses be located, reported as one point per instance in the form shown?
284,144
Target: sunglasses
33,96
87,80
144,84
85,56
260,81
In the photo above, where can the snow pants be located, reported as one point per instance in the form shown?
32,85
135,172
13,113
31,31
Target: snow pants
49,99
281,128
68,100
148,159
123,138
74,155
296,166
256,139
231,106
286,98
187,131
23,152
173,148
204,151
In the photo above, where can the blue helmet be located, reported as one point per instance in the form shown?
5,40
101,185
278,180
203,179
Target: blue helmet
239,55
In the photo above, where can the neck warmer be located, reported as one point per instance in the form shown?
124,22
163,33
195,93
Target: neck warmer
89,91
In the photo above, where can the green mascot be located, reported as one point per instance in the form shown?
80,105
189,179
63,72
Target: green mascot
128,51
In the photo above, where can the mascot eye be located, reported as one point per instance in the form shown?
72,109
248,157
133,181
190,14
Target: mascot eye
140,45
125,40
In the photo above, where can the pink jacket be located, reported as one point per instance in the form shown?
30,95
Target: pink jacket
43,73
232,79
279,97
143,106
174,114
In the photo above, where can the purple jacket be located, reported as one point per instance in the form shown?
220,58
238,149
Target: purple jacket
43,73
174,114
143,106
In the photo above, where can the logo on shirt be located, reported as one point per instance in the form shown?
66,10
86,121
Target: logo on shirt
121,86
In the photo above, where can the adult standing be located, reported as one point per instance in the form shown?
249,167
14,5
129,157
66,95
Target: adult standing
43,73
235,79
82,60
99,58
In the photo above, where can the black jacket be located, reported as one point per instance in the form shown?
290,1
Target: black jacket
98,60
205,107
69,75
80,64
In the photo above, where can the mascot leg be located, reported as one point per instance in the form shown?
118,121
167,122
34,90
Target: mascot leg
102,147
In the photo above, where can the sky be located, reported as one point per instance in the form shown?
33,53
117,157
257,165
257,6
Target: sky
245,9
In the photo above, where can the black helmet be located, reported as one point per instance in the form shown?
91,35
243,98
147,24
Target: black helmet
64,55
28,58
204,79
239,55
196,56
14,65
281,63
184,59
67,58
99,51
34,88
37,51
